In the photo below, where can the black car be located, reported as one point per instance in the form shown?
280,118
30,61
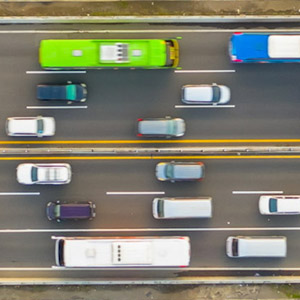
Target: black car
66,211
67,92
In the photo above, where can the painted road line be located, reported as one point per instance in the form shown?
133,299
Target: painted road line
150,157
56,268
150,31
204,71
204,106
56,107
166,229
135,193
55,72
19,194
256,192
191,141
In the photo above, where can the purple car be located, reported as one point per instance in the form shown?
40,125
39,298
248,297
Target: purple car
70,211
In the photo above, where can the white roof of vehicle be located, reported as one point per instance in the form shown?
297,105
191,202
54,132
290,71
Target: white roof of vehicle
22,126
284,46
260,247
53,173
132,252
198,93
288,205
187,208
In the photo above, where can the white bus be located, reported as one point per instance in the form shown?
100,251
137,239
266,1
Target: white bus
86,252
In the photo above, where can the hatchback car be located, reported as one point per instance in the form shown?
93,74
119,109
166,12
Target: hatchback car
279,205
205,94
70,211
162,127
30,126
29,173
69,92
180,171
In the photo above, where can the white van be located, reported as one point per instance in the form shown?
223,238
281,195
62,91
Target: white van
181,208
256,246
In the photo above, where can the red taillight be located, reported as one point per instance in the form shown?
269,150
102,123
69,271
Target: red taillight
182,266
236,33
140,120
237,60
139,134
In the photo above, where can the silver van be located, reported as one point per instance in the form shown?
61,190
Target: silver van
181,208
256,246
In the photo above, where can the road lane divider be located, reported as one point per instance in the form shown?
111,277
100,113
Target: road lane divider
256,192
165,229
204,106
135,193
204,71
20,193
55,72
57,107
184,141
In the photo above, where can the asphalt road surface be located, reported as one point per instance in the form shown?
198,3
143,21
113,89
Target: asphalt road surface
266,99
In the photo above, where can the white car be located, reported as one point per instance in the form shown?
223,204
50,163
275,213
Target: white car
279,205
205,94
44,173
30,126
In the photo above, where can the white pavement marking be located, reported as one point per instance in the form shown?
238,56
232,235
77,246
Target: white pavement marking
204,71
150,31
167,229
135,193
55,72
20,194
204,106
256,192
55,268
56,107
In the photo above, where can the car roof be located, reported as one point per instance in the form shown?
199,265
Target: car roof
161,126
198,93
187,171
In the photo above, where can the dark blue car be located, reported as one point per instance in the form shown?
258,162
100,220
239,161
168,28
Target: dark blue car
68,92
74,211
264,48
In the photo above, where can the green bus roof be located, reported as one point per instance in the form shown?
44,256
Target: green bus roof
103,53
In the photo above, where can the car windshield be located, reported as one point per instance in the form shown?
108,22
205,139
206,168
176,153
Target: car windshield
216,93
34,172
160,208
71,92
40,126
235,249
273,205
56,211
172,127
169,171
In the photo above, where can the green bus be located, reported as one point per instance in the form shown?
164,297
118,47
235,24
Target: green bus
113,54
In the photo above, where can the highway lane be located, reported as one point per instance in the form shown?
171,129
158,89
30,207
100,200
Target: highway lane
266,96
92,180
232,214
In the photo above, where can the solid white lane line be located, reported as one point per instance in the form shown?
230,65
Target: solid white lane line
149,31
20,194
55,72
204,71
56,107
204,229
135,193
204,106
256,192
56,268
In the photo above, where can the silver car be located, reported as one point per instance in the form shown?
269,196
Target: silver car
162,127
205,94
180,171
29,173
30,126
